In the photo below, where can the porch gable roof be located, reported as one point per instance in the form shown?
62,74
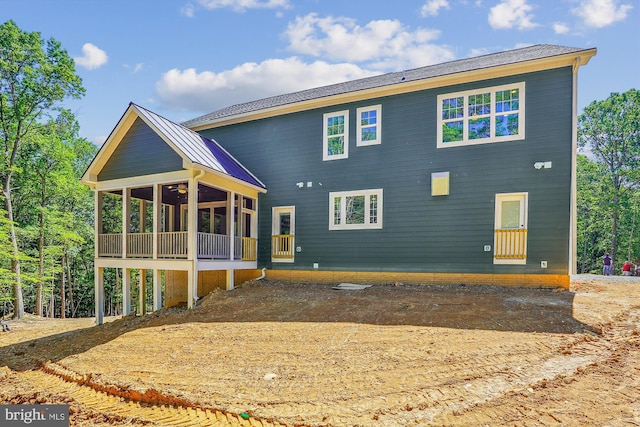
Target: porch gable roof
196,151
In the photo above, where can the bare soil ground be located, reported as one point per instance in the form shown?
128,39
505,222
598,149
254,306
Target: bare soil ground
267,354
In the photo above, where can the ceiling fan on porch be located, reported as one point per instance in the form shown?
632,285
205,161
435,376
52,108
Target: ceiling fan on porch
180,188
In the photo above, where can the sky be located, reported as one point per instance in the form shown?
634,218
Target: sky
185,58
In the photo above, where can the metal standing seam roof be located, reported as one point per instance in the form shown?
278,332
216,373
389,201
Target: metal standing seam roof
198,149
459,66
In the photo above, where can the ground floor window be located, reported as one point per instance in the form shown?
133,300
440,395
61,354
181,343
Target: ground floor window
352,210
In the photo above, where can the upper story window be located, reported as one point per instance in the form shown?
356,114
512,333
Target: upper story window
369,129
336,135
352,210
481,116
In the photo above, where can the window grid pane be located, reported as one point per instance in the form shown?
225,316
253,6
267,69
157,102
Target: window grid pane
373,209
336,211
481,117
453,108
480,104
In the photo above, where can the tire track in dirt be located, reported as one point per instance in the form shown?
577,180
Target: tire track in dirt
151,406
582,361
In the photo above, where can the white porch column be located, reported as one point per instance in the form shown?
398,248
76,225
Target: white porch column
97,203
157,289
126,291
142,293
230,279
192,220
99,294
191,279
232,228
126,218
157,202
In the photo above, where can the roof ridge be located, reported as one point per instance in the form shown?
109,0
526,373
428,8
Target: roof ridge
386,79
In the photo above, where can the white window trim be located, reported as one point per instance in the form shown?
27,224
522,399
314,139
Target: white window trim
378,126
342,195
325,136
492,139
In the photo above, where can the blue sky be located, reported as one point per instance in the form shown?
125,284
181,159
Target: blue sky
185,58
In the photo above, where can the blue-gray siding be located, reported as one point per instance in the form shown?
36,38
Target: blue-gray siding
141,152
420,233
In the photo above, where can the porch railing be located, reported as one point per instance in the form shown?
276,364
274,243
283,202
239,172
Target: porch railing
110,245
173,244
282,246
511,244
213,246
249,249
140,245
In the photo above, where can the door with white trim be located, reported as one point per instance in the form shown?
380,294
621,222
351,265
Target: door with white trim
283,234
511,228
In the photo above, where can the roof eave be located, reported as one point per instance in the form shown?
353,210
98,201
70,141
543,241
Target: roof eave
574,59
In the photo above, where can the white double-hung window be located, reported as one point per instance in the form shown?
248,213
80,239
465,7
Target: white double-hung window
369,126
352,210
336,135
481,116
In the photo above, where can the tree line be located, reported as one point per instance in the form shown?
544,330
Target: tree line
46,214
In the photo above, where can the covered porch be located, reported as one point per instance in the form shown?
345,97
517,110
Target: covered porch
152,222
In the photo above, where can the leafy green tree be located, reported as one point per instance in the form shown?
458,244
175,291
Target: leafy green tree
34,77
55,208
610,130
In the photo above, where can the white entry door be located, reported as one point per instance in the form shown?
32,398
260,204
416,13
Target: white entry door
510,236
283,234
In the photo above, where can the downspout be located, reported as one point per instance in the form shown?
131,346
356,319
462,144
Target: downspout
264,273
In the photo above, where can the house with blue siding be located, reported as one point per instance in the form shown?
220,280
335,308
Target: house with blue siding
457,173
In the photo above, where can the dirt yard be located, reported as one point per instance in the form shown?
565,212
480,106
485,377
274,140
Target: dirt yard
267,354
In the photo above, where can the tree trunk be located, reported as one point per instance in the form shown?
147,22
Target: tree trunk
70,282
40,287
614,229
63,300
52,313
18,301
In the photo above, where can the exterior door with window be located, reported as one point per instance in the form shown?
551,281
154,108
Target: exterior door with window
510,236
283,234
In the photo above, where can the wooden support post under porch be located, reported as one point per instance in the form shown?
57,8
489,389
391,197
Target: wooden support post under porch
189,284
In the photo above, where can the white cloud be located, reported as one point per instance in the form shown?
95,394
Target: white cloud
188,10
432,7
382,44
601,13
560,28
511,13
92,57
242,5
208,91
136,68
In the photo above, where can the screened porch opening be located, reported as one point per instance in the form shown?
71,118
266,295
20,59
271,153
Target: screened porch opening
214,228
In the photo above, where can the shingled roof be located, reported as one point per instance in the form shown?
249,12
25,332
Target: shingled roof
459,66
